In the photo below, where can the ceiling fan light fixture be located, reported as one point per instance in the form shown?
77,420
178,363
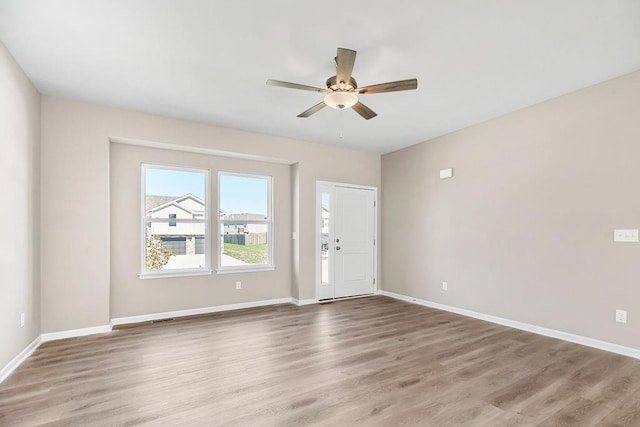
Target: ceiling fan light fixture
341,100
342,90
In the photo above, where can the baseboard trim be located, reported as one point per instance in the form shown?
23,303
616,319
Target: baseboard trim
565,336
21,357
52,336
300,302
198,311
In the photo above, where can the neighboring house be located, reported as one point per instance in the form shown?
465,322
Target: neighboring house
182,238
188,238
241,224
242,231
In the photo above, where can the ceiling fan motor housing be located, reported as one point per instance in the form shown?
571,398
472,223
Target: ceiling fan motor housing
335,85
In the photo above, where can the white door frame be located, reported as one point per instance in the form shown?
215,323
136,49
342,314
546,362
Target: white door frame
318,230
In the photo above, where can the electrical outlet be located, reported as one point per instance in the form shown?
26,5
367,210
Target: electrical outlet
625,235
238,285
445,286
621,316
22,320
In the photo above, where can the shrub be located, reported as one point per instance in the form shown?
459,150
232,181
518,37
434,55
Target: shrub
158,255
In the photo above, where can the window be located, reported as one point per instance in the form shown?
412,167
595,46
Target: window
175,221
324,239
245,222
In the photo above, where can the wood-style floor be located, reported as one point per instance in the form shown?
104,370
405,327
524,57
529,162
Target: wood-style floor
369,361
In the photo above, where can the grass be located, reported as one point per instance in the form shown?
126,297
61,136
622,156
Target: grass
251,254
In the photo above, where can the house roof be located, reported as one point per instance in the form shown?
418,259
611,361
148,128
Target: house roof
153,201
473,60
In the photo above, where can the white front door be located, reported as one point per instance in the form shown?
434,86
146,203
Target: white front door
346,230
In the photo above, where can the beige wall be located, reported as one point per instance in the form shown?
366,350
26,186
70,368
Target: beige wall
75,195
19,195
131,296
524,230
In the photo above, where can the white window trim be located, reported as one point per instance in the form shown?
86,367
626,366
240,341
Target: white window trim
270,266
245,269
178,272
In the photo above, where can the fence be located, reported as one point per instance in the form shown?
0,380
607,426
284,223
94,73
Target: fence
246,239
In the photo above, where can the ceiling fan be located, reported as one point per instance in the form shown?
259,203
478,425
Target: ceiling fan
342,90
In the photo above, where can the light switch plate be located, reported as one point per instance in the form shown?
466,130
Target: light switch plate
446,173
625,235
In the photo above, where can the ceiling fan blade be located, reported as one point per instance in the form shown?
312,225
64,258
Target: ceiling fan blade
364,111
389,87
344,64
294,86
312,110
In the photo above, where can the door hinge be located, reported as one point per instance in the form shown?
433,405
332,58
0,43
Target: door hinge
374,280
374,242
374,203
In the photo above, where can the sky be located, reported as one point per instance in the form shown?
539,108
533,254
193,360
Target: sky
238,194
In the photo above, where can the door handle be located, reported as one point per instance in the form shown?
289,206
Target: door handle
337,248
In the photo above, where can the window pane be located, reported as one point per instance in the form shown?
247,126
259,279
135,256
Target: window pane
175,224
324,248
244,220
165,185
243,197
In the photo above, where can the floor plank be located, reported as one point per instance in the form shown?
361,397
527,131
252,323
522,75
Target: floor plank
369,361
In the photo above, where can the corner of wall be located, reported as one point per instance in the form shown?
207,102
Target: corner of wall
19,166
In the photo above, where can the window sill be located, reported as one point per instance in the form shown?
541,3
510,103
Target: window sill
177,273
243,269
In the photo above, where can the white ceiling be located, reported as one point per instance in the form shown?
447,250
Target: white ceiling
208,61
